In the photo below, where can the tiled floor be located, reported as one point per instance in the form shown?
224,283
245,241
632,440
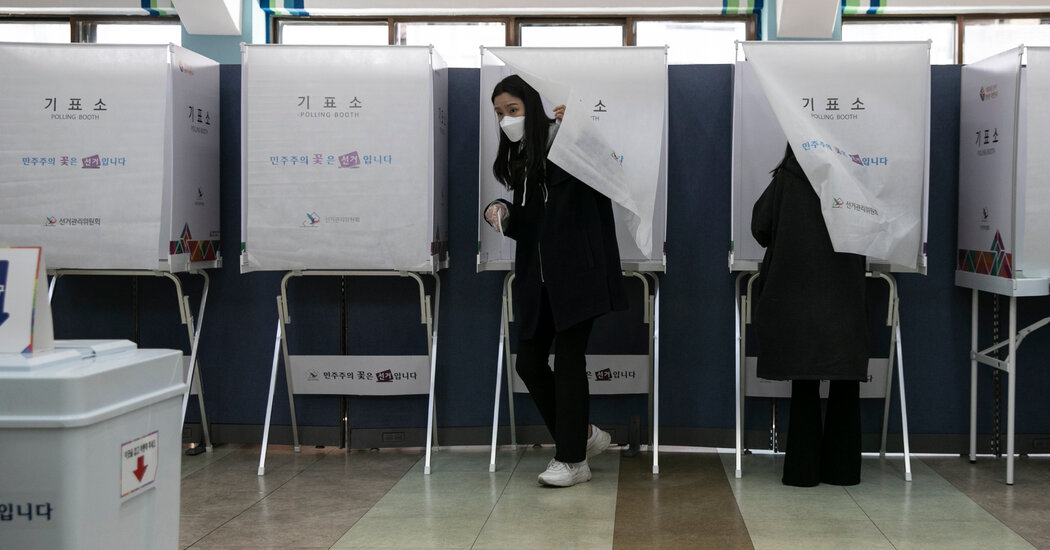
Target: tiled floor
328,498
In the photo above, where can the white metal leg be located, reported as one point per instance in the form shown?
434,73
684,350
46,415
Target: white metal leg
508,318
432,335
286,319
1011,371
651,303
193,377
738,342
744,313
273,383
655,378
904,407
973,376
892,323
895,329
499,373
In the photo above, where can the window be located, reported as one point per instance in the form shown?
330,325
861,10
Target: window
693,42
986,37
571,34
134,33
691,38
34,31
344,33
457,42
942,33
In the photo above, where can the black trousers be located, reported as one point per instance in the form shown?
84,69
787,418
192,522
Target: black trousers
831,455
562,395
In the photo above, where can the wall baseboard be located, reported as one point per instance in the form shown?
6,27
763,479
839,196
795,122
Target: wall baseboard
371,438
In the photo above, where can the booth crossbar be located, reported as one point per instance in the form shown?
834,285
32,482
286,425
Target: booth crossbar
193,374
428,316
651,317
743,318
1008,365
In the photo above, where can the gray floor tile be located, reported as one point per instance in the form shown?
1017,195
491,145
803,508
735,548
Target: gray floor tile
988,533
545,531
815,533
412,532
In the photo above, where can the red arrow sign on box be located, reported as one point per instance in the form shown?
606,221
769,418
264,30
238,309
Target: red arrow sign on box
141,470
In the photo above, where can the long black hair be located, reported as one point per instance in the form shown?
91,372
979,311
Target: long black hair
515,160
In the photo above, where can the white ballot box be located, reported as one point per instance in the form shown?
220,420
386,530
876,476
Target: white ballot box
343,158
91,447
109,155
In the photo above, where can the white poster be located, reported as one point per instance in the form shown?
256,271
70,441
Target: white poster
1035,261
193,229
338,168
857,117
360,374
610,375
613,136
987,156
82,152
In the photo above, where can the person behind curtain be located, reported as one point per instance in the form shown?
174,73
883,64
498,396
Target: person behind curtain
567,273
811,323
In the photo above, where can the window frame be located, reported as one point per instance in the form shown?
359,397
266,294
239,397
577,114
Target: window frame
960,22
512,23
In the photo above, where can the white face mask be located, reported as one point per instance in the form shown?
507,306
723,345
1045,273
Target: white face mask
513,127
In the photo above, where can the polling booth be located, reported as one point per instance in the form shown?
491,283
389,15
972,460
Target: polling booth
1004,204
344,174
109,160
856,116
614,138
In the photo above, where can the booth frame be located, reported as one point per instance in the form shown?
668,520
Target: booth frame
651,317
1014,288
743,318
193,330
428,317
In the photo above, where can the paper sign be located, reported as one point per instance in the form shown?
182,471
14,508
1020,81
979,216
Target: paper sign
138,464
25,315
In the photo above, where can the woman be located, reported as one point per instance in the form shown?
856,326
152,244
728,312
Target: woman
812,326
567,272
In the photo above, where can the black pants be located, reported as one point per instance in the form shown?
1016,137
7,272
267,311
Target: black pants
562,395
831,455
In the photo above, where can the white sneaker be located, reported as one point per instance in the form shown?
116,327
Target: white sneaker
565,474
597,442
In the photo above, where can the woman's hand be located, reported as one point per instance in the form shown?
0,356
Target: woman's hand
559,112
494,213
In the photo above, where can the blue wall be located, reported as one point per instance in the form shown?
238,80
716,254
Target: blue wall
697,309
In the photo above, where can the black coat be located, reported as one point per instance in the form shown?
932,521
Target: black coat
811,317
566,242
